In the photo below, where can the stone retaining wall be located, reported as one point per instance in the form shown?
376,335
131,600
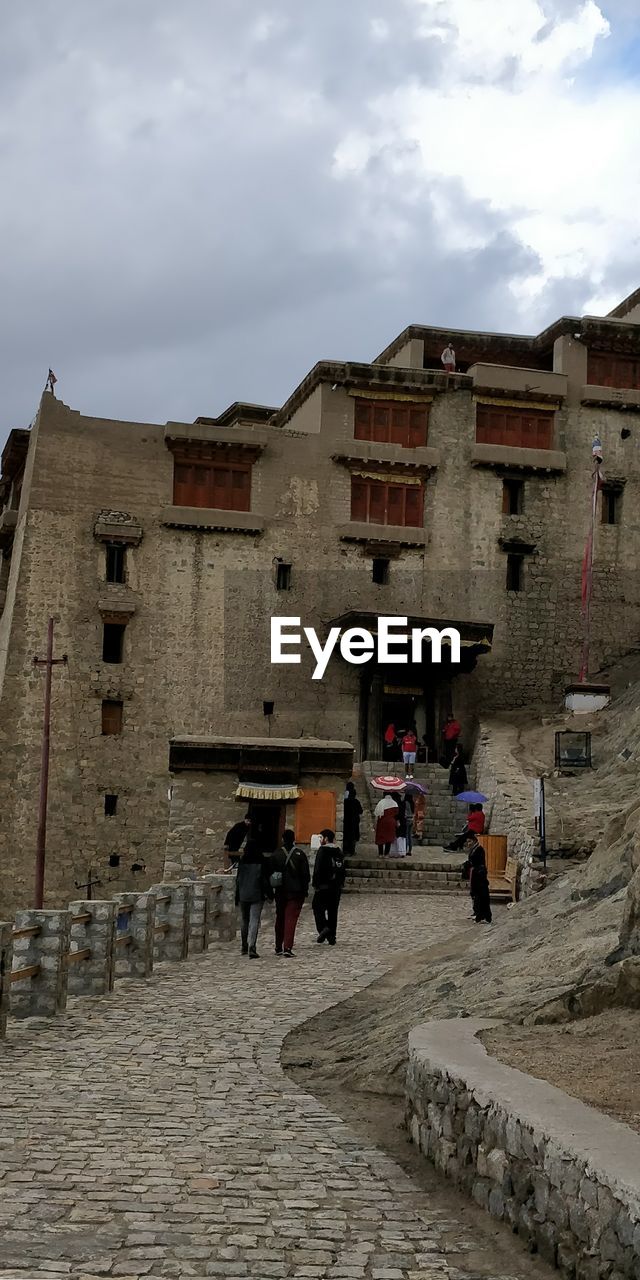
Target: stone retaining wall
565,1177
499,776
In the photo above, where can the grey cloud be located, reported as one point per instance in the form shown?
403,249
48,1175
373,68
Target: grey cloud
175,235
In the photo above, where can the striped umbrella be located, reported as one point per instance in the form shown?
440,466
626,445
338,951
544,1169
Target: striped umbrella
388,783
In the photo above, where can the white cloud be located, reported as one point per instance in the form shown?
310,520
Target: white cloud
559,163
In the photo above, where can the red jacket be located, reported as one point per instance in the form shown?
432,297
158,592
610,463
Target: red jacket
451,730
475,822
409,742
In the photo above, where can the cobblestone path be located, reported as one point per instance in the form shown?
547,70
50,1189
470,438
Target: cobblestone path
153,1133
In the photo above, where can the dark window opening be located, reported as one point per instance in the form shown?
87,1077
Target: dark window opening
116,563
114,859
283,577
112,641
112,716
110,805
512,497
380,572
514,572
267,708
611,501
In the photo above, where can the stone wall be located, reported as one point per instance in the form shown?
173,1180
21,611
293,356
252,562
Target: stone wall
204,807
499,776
48,955
565,1177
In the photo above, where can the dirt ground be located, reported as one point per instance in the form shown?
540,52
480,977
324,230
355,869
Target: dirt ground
595,1059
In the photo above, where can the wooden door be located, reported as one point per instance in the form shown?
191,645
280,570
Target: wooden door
314,811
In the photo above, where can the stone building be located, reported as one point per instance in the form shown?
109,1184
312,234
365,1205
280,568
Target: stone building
385,488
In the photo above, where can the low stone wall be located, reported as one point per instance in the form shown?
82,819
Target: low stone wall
499,776
48,955
565,1177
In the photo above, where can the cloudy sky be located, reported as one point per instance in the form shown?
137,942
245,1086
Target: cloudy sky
201,200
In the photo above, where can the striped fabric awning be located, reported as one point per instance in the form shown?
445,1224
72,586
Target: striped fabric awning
268,791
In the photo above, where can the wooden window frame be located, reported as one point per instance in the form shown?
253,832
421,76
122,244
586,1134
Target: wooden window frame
375,501
115,569
218,481
523,428
512,496
611,504
400,422
613,369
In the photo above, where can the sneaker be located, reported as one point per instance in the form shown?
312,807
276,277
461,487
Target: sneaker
278,951
322,937
289,954
253,954
245,951
331,941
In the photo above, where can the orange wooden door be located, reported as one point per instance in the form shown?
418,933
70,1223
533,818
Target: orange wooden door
314,811
495,848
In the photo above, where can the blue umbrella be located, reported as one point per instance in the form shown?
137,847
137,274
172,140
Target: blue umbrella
472,797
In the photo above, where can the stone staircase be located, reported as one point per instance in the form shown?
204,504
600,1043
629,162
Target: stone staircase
428,870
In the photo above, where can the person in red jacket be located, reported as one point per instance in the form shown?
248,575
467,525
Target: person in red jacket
409,748
475,827
451,732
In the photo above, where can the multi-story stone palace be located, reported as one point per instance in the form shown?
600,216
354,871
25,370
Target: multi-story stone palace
385,488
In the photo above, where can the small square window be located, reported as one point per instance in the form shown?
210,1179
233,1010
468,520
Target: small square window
112,642
283,576
114,859
380,571
112,716
110,806
115,563
514,572
512,497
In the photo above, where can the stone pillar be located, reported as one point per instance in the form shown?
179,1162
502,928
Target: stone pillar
40,943
94,976
200,909
135,919
224,917
171,930
6,952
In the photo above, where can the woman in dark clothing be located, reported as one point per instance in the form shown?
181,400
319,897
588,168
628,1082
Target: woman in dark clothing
290,873
352,812
478,880
458,773
252,888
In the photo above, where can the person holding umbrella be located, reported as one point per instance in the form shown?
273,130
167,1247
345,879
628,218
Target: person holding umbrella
386,816
475,818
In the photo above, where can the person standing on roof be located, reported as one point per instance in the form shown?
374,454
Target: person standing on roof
448,358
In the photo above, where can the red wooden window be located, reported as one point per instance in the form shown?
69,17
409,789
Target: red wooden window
606,369
392,422
208,483
377,502
520,428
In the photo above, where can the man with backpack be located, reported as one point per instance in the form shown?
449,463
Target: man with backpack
290,883
328,880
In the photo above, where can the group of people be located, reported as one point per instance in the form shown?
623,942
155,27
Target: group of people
395,815
284,877
402,744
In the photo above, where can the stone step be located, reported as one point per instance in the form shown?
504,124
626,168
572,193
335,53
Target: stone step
375,886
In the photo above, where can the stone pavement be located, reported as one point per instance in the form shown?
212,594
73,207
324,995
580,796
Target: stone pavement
153,1132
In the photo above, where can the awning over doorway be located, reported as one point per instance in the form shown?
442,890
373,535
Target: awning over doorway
473,635
267,791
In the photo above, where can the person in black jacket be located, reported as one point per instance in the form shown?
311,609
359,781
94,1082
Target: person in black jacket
252,888
328,881
290,865
458,772
352,813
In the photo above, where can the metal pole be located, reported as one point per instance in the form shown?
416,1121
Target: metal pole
41,839
543,825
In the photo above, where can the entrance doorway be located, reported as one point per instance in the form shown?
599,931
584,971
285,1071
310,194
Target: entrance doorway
268,818
403,709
